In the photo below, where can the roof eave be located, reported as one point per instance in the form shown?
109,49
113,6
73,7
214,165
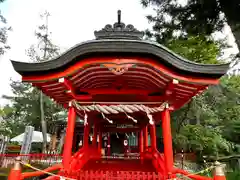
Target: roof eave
120,46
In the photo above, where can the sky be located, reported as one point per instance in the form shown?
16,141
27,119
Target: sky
70,23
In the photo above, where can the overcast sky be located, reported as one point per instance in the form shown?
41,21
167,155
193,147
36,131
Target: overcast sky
71,22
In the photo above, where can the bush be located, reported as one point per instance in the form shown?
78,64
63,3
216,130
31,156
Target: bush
233,175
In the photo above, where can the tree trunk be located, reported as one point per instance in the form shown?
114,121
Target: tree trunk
43,123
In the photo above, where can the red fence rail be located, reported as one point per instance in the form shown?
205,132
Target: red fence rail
7,160
126,175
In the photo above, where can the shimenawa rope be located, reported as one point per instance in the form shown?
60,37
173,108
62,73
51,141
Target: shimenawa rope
116,109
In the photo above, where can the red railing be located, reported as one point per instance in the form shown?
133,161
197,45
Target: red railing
78,160
191,176
7,160
126,175
157,159
82,157
39,173
158,162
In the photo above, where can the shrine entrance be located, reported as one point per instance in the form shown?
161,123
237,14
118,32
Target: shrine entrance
117,143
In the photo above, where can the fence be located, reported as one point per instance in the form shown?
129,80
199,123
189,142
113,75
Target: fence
127,175
7,160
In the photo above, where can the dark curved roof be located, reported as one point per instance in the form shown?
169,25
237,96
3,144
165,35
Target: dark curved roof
120,40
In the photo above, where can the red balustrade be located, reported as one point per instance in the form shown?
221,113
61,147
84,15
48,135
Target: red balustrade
83,156
157,159
191,176
126,175
7,160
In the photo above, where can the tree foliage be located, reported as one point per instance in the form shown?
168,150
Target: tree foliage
44,50
3,33
195,48
214,119
199,138
209,124
186,18
25,108
215,114
198,17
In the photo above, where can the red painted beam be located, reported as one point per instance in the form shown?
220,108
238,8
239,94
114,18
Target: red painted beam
62,96
99,60
120,129
170,87
184,101
115,91
156,98
71,90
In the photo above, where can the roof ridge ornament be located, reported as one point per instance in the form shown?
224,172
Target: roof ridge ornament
119,31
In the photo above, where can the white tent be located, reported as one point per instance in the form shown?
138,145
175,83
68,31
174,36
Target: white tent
37,137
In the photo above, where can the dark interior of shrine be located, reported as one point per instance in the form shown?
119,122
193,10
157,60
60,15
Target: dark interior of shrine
117,143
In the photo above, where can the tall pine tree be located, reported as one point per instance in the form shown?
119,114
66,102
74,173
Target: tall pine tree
44,51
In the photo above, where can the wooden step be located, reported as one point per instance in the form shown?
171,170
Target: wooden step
119,165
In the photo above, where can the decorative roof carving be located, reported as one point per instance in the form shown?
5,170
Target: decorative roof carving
118,69
119,31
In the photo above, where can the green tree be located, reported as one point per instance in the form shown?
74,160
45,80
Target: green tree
195,48
228,108
10,125
3,33
196,17
25,108
186,29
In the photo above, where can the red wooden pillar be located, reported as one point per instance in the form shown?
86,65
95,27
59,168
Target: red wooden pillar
167,139
145,136
141,144
109,145
67,151
153,136
95,131
86,136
